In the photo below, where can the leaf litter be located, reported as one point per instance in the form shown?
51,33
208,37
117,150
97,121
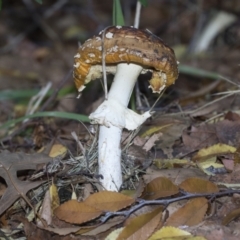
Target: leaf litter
186,184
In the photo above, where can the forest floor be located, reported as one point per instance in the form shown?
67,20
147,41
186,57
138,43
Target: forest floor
181,168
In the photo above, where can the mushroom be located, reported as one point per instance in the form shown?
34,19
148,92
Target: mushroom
128,52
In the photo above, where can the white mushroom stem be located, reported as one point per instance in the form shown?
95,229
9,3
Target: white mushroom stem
113,116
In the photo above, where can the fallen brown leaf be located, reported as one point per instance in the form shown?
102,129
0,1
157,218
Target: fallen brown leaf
142,226
76,212
109,201
192,213
198,185
158,188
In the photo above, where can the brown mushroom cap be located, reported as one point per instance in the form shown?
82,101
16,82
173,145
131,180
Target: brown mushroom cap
130,45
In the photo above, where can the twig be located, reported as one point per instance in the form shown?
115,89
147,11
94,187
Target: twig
84,153
75,137
37,99
137,14
136,25
165,202
55,93
104,65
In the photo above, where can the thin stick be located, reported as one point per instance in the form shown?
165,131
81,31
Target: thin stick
137,14
136,25
55,93
212,102
36,100
104,65
75,137
202,107
160,95
228,80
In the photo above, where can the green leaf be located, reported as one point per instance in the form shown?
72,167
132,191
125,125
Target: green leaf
39,1
73,116
118,18
198,72
143,2
17,94
28,93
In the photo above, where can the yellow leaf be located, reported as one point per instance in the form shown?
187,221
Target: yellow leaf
214,150
58,150
210,167
114,234
153,130
197,238
54,197
170,163
169,232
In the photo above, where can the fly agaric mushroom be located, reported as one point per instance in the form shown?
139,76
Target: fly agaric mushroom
128,52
